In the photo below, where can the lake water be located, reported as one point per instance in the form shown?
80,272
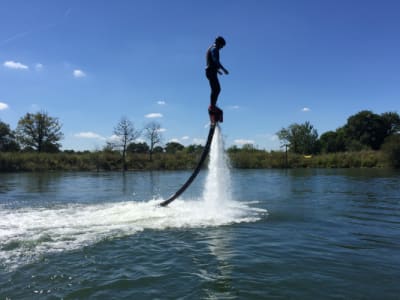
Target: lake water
284,234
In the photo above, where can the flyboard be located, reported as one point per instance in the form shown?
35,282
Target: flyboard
216,115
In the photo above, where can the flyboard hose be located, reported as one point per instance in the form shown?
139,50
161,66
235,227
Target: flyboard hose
196,171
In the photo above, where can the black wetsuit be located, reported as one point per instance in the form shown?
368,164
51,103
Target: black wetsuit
213,65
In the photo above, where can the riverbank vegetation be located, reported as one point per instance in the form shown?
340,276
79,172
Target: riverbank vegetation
367,140
244,158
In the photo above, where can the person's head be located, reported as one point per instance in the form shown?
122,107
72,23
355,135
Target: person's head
220,42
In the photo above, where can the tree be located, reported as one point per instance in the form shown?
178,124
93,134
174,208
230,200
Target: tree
391,148
158,149
194,148
391,121
126,134
173,147
333,141
138,148
7,139
366,128
301,138
152,132
40,132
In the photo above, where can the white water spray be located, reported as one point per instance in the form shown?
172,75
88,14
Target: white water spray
30,232
217,193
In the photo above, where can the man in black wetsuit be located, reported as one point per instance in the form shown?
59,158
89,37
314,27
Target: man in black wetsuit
213,68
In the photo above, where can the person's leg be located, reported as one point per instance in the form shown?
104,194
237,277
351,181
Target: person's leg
215,90
215,87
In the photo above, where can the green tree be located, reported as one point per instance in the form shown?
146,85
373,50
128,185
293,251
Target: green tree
158,149
138,148
194,148
366,128
173,147
40,132
7,139
391,121
333,141
301,138
391,148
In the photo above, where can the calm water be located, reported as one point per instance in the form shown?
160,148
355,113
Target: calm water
296,234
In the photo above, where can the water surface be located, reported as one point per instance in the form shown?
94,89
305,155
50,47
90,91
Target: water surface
301,234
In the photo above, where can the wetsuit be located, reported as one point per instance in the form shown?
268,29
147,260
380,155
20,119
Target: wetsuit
213,65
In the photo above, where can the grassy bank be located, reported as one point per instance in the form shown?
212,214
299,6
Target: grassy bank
255,159
246,159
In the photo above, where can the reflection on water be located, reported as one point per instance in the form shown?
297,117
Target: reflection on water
219,243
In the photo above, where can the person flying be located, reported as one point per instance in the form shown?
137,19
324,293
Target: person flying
214,68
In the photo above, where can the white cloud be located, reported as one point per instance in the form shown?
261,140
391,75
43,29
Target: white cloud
162,130
273,137
185,138
79,73
161,102
34,107
243,142
198,141
305,109
154,115
140,140
38,67
15,65
269,136
174,141
89,135
3,106
234,107
114,138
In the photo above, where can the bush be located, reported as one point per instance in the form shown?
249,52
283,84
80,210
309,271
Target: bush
391,149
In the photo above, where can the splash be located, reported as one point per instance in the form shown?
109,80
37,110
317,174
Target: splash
28,233
217,191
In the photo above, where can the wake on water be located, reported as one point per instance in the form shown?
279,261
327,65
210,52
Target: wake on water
28,233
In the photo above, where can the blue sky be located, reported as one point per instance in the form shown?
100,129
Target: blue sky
89,63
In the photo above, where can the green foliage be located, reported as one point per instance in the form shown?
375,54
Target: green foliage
158,149
347,147
40,132
194,149
333,141
7,139
173,147
366,128
391,121
391,149
138,148
301,138
240,158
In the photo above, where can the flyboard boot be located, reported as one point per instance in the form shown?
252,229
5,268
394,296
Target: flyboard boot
216,114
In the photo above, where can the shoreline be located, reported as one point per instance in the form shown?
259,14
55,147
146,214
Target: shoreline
243,159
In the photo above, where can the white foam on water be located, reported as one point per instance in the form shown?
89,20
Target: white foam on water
28,233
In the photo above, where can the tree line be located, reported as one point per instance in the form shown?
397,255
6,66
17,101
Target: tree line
364,131
41,133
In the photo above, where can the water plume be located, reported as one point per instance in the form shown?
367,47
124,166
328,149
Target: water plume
217,191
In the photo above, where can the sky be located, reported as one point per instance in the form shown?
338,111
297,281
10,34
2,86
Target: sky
90,63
